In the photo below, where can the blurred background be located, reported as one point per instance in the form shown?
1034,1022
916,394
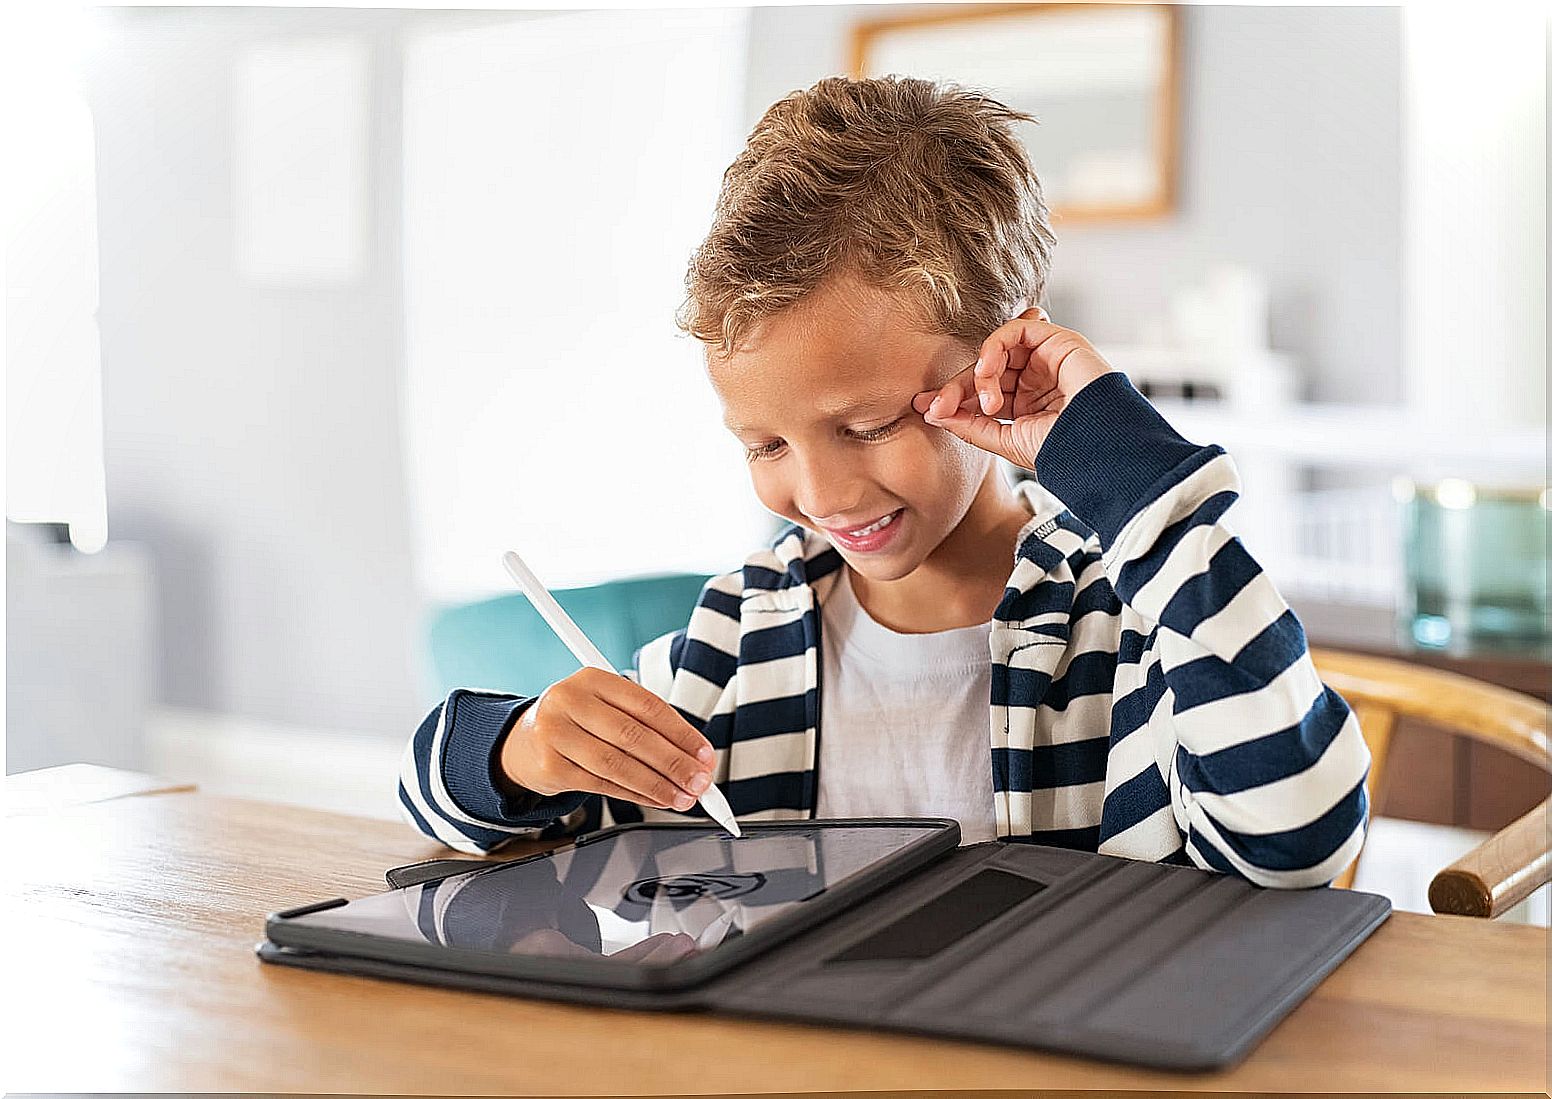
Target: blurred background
313,312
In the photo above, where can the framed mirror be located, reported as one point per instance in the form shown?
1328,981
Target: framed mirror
1100,78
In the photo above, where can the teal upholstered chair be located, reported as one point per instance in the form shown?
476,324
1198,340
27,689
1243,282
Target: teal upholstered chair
503,643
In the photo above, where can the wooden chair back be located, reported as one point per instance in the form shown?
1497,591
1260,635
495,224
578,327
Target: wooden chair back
1511,864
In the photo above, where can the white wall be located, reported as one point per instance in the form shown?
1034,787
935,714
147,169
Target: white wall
252,431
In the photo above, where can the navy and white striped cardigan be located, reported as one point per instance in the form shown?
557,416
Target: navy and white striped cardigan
1152,694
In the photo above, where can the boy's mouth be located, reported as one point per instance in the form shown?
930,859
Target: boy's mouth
869,537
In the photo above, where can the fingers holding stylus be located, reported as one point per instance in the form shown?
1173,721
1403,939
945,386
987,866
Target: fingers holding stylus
652,711
616,747
599,732
531,746
570,775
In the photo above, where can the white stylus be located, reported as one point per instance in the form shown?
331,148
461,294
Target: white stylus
585,651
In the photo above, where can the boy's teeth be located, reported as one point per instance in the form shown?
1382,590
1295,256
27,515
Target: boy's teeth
871,527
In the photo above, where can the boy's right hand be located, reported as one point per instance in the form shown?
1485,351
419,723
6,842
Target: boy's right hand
599,732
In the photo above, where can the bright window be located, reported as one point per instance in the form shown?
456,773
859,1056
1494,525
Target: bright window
559,171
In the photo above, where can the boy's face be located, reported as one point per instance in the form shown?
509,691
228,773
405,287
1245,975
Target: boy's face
820,395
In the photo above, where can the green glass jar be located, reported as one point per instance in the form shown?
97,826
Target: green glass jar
1476,565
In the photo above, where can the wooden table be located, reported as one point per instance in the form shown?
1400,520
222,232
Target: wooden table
130,967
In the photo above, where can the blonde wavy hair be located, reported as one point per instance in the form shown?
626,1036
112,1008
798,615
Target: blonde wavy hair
914,186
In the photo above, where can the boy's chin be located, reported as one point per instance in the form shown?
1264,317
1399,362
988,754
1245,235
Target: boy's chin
880,567
892,562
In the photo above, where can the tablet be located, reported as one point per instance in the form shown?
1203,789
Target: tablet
636,906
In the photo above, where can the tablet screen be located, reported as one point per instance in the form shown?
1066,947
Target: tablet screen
644,896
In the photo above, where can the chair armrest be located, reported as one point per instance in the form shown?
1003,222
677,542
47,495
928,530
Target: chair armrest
1489,880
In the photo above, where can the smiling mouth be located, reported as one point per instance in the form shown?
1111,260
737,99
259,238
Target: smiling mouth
870,530
863,532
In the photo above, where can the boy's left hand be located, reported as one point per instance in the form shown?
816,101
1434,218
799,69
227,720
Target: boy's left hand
1030,367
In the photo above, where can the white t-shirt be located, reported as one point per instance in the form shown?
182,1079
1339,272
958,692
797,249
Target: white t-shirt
904,720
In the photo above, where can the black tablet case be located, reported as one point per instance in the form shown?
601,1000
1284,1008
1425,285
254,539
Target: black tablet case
1149,964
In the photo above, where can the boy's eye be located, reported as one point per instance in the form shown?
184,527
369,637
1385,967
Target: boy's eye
866,435
873,434
764,450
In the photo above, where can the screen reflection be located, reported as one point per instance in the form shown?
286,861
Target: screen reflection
644,896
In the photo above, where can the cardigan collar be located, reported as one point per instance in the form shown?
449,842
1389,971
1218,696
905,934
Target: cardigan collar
799,558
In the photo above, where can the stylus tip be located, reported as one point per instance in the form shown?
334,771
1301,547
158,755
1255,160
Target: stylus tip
718,809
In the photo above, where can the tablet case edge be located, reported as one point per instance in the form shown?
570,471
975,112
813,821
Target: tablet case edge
1185,1056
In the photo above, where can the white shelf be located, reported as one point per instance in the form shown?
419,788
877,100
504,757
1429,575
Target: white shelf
1379,437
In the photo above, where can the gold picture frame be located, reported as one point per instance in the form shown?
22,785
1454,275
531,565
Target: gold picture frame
1109,78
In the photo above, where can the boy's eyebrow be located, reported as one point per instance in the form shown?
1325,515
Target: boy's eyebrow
842,412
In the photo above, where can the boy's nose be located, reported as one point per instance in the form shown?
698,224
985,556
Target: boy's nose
829,497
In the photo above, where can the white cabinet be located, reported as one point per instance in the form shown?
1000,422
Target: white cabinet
79,655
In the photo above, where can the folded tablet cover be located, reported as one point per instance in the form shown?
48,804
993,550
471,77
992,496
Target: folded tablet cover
1164,966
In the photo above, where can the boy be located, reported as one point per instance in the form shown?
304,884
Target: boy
863,300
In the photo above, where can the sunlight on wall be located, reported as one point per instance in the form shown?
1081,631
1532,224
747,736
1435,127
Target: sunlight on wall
559,170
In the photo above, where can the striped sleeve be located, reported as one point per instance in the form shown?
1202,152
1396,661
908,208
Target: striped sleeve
447,786
447,789
1266,776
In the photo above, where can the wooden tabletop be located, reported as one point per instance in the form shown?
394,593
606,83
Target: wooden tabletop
130,967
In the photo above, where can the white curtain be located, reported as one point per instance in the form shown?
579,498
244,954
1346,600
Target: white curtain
54,465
